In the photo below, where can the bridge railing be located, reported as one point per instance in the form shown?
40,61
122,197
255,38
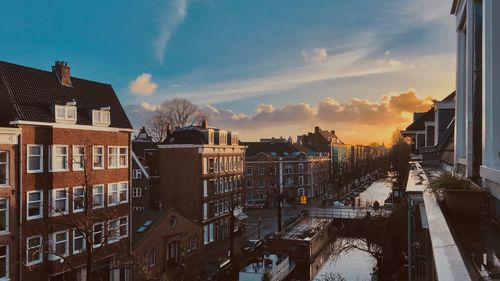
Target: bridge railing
347,213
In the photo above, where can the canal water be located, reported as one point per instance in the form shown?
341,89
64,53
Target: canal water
354,264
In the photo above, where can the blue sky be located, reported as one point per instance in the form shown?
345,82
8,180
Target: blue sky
244,59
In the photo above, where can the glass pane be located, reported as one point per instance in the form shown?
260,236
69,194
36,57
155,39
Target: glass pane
60,150
3,174
60,206
61,236
3,157
34,163
61,249
60,112
35,196
33,209
60,193
3,220
71,113
35,150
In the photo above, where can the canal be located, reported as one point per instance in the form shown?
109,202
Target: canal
354,263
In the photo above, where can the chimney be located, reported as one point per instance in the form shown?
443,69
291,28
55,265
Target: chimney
61,69
316,129
204,124
333,132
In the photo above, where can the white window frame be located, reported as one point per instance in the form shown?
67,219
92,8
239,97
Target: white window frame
78,160
66,118
122,189
113,231
94,167
113,189
6,163
28,155
137,192
103,199
53,244
37,201
74,196
84,244
98,120
137,174
40,252
52,158
123,225
94,245
117,155
7,264
7,214
53,200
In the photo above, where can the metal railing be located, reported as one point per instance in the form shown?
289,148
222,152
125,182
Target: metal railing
348,213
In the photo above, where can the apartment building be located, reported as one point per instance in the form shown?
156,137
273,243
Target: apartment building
477,118
279,163
201,176
73,173
319,140
9,184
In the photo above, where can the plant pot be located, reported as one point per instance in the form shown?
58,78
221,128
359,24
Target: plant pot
463,204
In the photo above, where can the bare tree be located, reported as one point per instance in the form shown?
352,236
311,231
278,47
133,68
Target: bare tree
173,113
93,227
399,157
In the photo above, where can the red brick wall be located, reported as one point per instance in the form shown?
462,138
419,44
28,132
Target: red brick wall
49,180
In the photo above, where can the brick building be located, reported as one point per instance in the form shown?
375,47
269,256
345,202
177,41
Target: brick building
9,184
319,140
278,162
73,172
163,241
201,176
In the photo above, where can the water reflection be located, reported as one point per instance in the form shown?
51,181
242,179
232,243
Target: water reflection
377,191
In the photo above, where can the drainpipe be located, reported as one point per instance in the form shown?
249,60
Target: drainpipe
19,199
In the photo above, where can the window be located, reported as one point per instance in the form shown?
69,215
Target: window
78,241
249,171
261,183
78,157
34,205
301,180
59,246
59,201
4,168
301,168
261,170
249,183
113,231
35,158
34,253
4,215
136,192
123,192
98,196
78,199
123,227
65,114
101,117
98,237
112,194
98,157
288,169
58,158
137,174
117,157
152,257
4,262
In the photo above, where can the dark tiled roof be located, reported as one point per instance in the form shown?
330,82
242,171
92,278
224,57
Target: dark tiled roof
419,124
186,135
29,94
450,97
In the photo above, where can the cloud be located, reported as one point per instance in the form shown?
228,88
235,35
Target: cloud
316,55
143,85
174,15
149,107
387,53
354,118
389,62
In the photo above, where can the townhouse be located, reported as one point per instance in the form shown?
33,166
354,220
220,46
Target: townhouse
201,176
279,163
72,174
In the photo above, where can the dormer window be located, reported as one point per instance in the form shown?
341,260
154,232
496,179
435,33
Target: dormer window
65,113
101,117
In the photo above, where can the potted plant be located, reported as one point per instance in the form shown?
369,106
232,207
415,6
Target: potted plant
461,197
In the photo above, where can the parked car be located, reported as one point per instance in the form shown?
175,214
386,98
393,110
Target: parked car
256,204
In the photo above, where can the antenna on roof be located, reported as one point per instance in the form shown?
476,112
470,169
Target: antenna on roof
107,108
71,103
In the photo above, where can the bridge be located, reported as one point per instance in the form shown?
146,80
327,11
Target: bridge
351,213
